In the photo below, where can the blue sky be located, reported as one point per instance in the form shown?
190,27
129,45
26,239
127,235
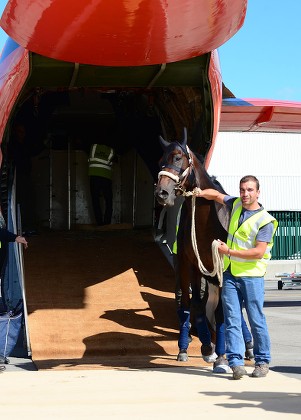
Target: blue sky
263,60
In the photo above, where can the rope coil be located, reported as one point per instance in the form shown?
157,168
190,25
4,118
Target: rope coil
217,258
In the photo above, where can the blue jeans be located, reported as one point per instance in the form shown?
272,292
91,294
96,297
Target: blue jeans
249,290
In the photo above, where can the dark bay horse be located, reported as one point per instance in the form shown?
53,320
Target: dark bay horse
201,224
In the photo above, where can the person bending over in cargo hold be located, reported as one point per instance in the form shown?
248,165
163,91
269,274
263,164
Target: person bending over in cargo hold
246,254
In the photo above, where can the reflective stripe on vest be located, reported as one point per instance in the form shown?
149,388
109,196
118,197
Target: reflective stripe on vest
244,237
100,161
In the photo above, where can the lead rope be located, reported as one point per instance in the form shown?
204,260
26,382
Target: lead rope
217,258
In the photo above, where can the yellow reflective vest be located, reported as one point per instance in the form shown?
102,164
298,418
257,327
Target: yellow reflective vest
100,161
244,237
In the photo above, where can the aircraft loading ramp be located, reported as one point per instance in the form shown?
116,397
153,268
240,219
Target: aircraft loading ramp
101,299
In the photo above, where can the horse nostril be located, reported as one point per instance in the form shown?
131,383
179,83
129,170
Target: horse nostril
160,193
163,194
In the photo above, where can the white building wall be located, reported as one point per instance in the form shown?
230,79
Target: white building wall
274,158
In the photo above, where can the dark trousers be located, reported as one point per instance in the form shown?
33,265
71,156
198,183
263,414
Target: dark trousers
101,187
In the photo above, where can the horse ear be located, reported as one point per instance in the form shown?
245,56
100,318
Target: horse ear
163,143
184,141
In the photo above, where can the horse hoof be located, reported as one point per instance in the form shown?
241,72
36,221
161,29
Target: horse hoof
221,365
249,351
249,355
211,358
182,356
208,353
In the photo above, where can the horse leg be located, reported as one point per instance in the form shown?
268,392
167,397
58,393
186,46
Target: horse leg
199,299
247,339
183,307
178,291
221,364
183,315
183,342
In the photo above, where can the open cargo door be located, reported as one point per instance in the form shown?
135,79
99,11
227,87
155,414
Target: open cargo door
119,33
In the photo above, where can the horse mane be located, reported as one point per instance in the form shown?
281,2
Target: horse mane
223,213
213,182
217,185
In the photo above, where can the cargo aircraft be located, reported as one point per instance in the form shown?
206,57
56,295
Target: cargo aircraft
75,72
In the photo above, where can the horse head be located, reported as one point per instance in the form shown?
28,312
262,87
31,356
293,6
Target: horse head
175,167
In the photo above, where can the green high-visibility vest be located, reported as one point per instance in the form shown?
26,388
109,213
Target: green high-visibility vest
244,237
100,161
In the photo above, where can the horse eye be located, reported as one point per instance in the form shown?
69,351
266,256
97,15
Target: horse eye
178,158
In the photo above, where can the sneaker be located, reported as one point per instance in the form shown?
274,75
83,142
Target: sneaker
249,351
238,372
260,371
2,369
221,365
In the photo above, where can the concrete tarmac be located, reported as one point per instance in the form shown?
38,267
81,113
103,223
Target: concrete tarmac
169,393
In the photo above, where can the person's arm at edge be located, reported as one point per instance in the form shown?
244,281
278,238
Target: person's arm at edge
7,236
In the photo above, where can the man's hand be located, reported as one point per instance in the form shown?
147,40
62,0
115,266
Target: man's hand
223,248
22,240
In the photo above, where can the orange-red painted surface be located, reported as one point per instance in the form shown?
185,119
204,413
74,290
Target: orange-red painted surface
260,115
14,70
215,78
122,32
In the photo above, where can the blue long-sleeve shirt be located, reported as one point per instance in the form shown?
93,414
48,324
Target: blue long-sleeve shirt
7,236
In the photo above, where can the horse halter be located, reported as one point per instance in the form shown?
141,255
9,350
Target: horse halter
183,174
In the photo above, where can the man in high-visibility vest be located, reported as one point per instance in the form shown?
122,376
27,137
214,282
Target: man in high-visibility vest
246,254
100,173
203,329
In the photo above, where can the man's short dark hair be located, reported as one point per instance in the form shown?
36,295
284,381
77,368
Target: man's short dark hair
247,178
